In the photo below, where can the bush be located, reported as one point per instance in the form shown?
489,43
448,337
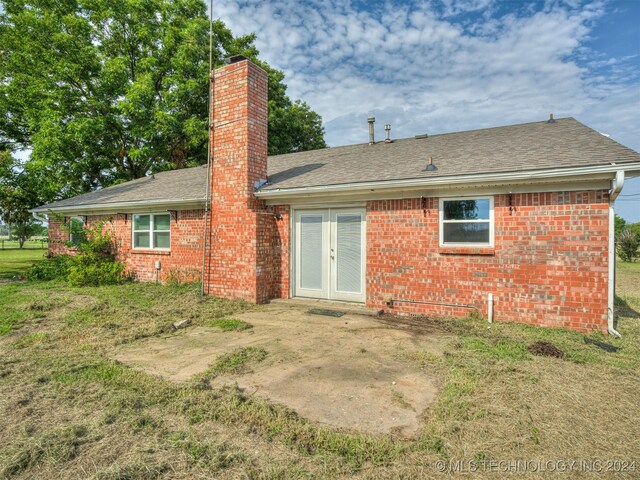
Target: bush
628,244
90,270
50,268
94,265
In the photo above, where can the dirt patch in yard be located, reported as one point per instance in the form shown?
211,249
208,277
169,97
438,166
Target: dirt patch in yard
354,372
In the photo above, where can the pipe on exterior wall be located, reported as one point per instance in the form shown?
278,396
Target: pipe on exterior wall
459,305
616,187
490,307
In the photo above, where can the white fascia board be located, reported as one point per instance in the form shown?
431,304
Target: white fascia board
556,175
125,207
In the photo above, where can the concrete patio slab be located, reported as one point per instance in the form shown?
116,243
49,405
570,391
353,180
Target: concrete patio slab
351,372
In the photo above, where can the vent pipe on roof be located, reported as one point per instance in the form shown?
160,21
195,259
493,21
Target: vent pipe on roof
372,121
551,119
430,166
387,128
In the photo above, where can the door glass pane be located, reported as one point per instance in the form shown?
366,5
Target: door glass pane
349,253
141,240
161,222
161,240
463,232
311,252
141,222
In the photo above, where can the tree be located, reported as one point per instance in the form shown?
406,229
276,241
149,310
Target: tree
105,91
628,245
17,195
619,227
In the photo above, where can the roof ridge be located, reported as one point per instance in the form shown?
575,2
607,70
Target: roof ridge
382,142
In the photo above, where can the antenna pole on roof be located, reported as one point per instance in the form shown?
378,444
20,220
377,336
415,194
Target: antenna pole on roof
206,232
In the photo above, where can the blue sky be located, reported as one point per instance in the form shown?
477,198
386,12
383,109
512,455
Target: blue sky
449,65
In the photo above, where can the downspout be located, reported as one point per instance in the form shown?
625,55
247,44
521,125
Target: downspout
39,217
616,187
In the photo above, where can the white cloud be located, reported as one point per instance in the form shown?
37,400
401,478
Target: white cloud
423,69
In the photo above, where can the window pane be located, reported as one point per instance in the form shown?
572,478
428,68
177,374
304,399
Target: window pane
161,222
76,230
466,209
161,240
141,240
462,232
141,222
311,244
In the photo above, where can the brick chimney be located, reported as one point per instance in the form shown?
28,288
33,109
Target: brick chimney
236,267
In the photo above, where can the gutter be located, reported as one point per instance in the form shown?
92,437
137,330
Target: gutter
39,217
601,171
616,187
144,205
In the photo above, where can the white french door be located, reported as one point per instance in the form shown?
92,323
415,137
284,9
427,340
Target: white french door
330,254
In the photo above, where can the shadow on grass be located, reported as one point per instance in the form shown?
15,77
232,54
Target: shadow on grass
623,309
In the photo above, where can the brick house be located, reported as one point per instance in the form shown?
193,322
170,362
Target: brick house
514,221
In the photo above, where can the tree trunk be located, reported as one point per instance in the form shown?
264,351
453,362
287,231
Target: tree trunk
21,242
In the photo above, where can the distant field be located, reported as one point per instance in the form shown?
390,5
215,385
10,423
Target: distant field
15,262
37,243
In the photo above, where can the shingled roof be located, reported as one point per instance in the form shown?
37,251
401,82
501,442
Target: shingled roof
528,146
514,148
184,185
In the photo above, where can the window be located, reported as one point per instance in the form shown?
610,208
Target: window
466,221
76,230
152,231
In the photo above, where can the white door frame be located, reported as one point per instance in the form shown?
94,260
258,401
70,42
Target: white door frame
331,294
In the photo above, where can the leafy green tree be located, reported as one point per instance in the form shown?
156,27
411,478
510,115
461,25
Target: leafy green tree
628,245
619,226
105,91
17,195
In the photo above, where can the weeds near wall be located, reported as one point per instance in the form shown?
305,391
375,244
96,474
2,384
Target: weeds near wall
95,263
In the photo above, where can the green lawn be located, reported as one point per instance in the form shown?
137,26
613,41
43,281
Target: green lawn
68,411
15,261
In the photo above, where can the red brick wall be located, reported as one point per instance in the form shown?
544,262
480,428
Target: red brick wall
183,262
58,237
281,247
549,265
242,259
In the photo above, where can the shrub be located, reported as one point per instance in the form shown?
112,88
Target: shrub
94,265
50,268
628,244
90,270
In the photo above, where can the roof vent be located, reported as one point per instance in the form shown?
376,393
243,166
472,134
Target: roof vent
422,135
430,166
551,119
372,121
387,128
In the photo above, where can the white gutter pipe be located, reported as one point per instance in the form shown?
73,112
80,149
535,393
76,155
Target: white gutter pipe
554,174
39,217
616,187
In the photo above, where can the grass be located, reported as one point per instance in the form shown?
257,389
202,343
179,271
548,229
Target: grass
39,243
238,361
229,324
15,262
68,411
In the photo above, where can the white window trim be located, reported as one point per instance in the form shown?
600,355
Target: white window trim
151,230
441,221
